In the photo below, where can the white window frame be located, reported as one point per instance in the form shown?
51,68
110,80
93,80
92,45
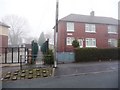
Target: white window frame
112,41
91,28
70,26
112,29
92,43
80,43
69,40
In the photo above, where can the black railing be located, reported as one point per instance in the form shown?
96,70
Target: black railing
12,54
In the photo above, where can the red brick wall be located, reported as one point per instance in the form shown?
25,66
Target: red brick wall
61,36
101,35
3,42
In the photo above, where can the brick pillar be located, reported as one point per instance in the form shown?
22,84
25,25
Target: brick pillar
30,56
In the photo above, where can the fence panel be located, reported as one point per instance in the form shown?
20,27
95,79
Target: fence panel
12,54
65,57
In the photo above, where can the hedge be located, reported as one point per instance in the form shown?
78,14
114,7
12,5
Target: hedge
49,58
96,54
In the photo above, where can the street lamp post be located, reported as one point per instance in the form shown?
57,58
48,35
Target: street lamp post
56,35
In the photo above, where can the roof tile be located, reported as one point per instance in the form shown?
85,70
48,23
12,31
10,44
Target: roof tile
90,19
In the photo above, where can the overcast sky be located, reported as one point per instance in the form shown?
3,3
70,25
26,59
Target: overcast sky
41,13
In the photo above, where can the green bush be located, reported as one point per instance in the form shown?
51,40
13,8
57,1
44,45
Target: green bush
95,54
75,43
49,58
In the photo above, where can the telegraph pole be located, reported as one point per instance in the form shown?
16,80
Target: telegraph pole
56,35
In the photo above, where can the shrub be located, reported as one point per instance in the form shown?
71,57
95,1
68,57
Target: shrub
75,43
49,58
95,54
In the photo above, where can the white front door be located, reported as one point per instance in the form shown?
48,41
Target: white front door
80,43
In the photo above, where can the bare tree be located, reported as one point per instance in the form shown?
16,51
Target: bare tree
18,26
29,39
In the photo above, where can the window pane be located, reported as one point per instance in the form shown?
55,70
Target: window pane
90,28
112,29
70,26
93,27
69,40
112,42
90,42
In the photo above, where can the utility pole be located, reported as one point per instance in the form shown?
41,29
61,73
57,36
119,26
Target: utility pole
56,35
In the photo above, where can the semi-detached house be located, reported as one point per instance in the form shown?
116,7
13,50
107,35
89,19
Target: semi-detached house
89,30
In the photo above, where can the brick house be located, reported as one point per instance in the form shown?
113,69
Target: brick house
3,35
89,30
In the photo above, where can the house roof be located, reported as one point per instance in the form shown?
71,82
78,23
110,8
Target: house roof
89,19
3,24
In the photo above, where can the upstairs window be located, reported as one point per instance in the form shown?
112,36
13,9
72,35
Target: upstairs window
112,29
90,28
70,27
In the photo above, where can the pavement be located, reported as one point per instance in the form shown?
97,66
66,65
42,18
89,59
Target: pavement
83,68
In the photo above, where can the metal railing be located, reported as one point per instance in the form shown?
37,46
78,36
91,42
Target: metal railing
12,54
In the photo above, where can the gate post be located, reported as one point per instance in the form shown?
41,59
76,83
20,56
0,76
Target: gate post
20,62
26,55
5,55
29,56
18,54
12,55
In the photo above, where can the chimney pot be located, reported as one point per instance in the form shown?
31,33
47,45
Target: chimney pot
92,13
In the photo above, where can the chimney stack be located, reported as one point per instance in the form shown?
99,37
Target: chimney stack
92,13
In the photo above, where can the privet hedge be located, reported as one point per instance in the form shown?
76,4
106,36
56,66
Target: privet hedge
95,54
